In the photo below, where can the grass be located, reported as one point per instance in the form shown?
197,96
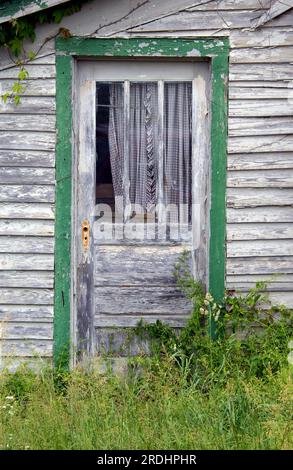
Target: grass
237,395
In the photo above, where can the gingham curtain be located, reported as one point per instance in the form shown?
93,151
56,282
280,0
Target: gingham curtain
143,144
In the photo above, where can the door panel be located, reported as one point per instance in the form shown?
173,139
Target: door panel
124,278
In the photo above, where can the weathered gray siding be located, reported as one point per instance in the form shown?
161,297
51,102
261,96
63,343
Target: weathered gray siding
27,192
260,161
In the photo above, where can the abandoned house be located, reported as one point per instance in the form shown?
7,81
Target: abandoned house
144,129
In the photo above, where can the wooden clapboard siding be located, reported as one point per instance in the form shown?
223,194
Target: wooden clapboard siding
260,163
27,192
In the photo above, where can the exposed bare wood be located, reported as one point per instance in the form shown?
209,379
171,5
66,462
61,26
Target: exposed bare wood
245,197
12,210
27,193
152,265
260,214
26,296
255,248
241,127
260,232
130,321
260,265
42,262
30,105
13,175
260,161
30,158
27,348
27,331
267,179
34,87
32,279
253,108
261,72
26,313
270,55
35,244
23,122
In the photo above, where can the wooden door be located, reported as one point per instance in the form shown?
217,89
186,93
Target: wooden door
141,194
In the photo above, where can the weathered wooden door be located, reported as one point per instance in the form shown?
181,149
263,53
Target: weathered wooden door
141,193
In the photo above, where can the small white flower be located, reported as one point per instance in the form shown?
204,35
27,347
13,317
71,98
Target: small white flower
206,302
10,397
202,311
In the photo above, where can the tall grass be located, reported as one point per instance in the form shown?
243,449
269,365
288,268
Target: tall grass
238,395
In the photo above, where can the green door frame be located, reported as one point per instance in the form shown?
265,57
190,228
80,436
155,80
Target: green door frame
67,50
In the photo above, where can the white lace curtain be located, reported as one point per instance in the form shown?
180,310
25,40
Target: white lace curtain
143,144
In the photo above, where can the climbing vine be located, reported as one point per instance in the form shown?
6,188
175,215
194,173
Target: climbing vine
14,33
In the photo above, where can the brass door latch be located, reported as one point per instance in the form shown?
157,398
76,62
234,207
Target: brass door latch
85,234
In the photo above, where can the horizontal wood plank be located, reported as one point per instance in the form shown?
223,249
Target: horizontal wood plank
261,108
257,248
26,331
24,122
30,105
260,72
260,161
27,227
248,197
140,300
264,179
258,55
131,321
150,265
35,70
260,265
26,313
38,87
26,244
27,348
260,214
31,279
260,231
30,158
12,210
27,140
14,175
260,126
25,262
27,193
25,296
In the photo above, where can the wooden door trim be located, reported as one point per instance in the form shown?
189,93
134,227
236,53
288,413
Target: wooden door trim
216,50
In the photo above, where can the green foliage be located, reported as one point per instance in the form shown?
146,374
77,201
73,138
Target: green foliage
251,340
157,409
14,33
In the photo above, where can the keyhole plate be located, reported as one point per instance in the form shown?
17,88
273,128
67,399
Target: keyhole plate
85,234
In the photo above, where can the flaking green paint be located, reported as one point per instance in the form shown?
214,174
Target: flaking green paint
63,211
12,7
67,49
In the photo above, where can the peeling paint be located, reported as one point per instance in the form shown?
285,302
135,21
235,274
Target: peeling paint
193,53
12,7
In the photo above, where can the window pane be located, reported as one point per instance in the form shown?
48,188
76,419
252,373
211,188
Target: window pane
178,151
109,145
143,147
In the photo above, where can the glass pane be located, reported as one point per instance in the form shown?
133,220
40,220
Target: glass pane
143,148
109,148
178,153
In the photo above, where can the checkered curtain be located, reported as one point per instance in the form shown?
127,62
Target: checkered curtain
143,159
